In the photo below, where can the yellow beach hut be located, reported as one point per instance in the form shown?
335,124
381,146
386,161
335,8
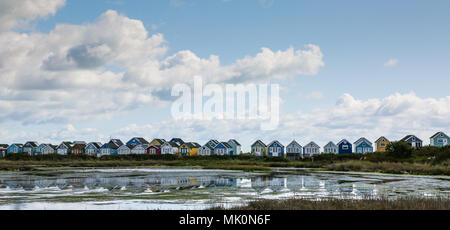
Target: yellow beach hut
382,144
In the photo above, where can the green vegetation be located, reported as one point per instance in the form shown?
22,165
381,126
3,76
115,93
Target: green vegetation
390,167
399,149
399,159
23,162
344,204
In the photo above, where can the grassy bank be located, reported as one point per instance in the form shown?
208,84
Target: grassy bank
425,161
337,204
233,164
226,163
390,167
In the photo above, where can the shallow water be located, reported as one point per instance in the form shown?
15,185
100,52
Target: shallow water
167,189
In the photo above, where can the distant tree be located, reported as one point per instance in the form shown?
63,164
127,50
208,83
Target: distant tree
400,149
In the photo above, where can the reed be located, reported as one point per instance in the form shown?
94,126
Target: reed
345,204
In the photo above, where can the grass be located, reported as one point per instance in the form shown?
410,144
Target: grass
225,164
245,163
426,161
234,164
341,204
390,167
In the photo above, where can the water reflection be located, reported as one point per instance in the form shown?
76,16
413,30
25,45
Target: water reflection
201,188
103,181
260,184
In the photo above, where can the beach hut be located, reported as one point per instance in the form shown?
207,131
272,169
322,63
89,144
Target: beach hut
311,149
294,150
331,148
345,147
236,147
440,139
258,148
381,144
414,141
275,149
362,145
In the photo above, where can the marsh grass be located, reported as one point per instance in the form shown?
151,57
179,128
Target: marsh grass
21,162
343,204
425,161
244,165
390,167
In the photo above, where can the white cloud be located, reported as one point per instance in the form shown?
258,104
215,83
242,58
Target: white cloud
281,63
15,13
391,63
394,116
55,136
69,72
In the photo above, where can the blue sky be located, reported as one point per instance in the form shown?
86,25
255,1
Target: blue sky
357,39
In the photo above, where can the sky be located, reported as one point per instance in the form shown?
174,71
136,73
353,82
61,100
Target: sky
95,70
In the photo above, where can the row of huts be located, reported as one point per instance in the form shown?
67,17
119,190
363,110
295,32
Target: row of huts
362,145
177,146
136,145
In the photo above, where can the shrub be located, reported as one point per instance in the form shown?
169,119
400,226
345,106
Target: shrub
275,159
399,149
18,156
436,154
49,157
